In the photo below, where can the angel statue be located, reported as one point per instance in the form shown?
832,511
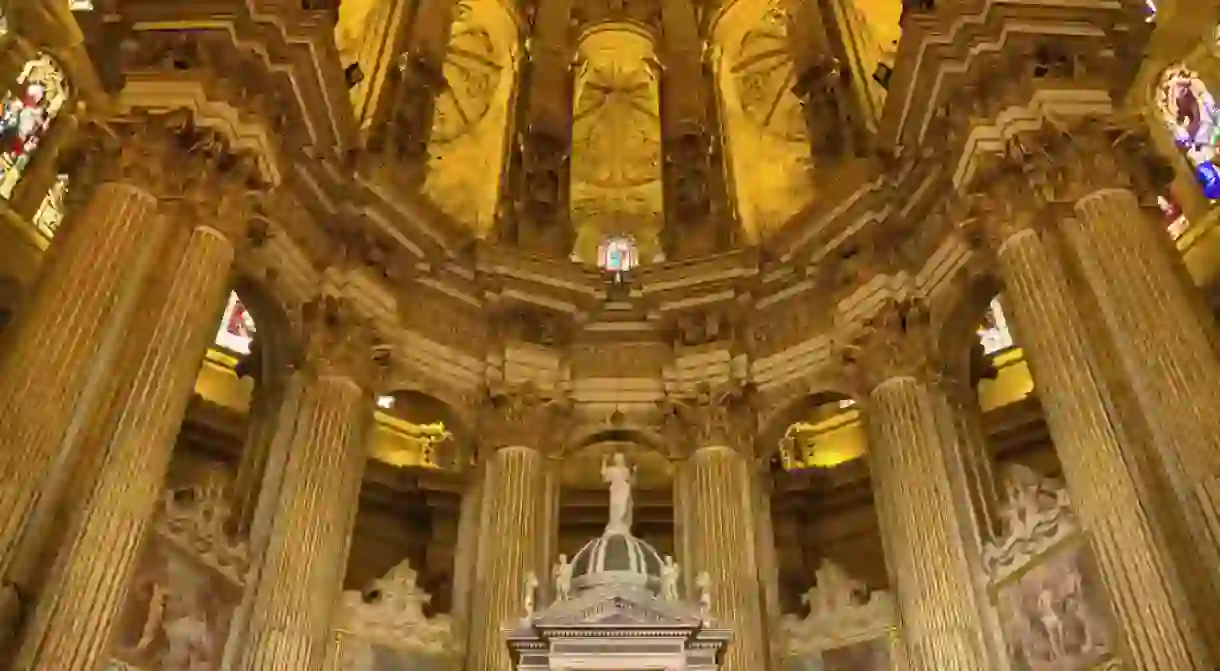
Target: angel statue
669,579
563,578
531,589
619,476
704,583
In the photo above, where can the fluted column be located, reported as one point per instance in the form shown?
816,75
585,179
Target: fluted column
768,566
909,442
466,555
301,574
68,334
83,596
1162,341
512,515
1146,593
510,530
717,510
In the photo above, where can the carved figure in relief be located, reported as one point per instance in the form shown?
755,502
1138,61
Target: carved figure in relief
1077,606
1051,622
704,583
531,591
835,590
619,476
189,644
670,573
563,578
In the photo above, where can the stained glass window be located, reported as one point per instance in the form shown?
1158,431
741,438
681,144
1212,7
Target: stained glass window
994,333
236,327
1191,114
1150,10
617,254
50,213
1174,220
26,113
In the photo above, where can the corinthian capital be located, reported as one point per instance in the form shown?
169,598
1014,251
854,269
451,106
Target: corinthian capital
896,341
712,416
522,416
339,341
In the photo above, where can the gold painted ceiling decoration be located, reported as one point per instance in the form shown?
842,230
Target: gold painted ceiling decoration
474,66
469,127
616,140
766,136
765,77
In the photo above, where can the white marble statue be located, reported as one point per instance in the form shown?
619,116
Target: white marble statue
670,572
619,476
531,591
704,583
562,574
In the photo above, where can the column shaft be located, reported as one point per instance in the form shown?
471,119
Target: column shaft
1165,349
768,566
1147,595
716,509
926,554
511,514
83,597
302,574
63,343
466,555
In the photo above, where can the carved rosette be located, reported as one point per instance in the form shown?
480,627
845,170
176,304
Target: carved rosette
338,341
895,342
523,417
711,417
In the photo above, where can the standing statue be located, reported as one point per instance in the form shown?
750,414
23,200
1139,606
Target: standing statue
531,589
1052,623
669,579
619,476
562,574
704,583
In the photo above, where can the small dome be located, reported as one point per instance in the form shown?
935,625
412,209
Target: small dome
617,558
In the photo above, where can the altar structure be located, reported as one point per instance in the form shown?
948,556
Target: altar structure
616,605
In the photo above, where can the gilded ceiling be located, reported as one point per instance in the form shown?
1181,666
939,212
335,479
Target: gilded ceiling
768,148
616,140
468,140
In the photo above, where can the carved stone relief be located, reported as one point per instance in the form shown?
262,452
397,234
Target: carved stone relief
1053,610
186,586
845,621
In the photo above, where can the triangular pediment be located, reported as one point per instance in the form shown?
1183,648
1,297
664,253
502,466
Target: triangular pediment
621,608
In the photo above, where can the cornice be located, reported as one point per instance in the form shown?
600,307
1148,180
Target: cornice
767,317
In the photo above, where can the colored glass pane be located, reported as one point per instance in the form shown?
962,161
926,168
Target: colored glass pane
50,213
26,114
1190,112
994,332
617,254
237,328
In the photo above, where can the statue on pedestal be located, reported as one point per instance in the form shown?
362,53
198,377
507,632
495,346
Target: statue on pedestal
563,578
670,572
531,589
704,583
619,476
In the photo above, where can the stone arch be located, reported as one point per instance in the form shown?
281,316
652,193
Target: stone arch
957,337
419,407
625,431
797,409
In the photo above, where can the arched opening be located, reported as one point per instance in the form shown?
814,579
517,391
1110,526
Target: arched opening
617,254
616,145
26,114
